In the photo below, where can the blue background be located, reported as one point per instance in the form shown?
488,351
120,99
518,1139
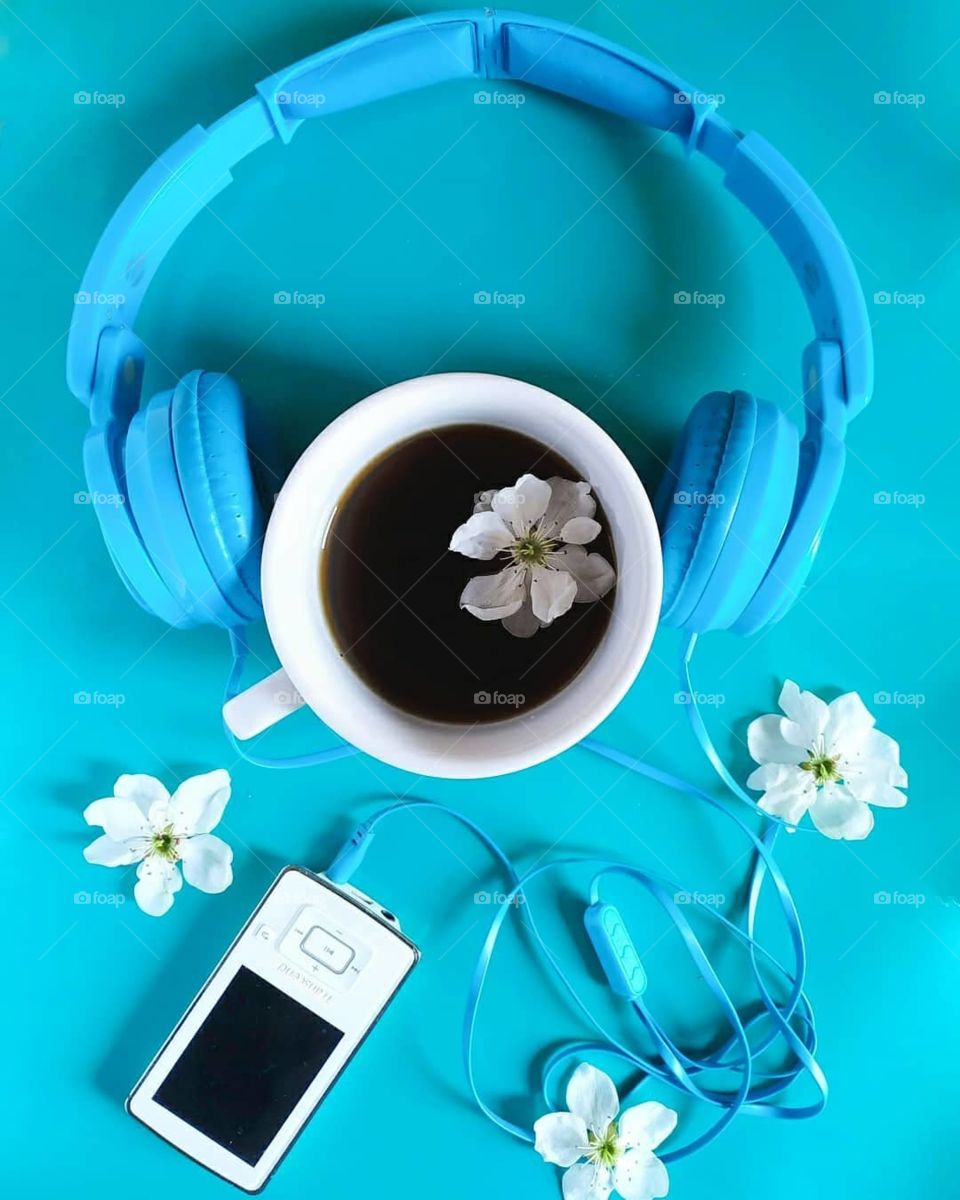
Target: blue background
398,214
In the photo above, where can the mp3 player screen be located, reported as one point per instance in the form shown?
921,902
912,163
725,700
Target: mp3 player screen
247,1066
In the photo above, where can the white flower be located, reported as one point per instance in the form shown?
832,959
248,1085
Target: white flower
142,823
825,759
617,1157
541,526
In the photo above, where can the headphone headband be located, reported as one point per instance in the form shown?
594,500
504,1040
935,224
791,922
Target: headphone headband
483,44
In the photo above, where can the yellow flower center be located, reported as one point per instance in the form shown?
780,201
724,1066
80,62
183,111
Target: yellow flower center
604,1148
531,548
164,844
822,767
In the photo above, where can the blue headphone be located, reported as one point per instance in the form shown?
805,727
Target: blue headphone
186,538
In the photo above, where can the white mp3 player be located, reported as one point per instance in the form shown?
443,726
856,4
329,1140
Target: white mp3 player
272,1028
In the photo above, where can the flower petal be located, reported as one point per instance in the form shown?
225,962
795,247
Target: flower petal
839,815
206,863
580,530
594,575
848,723
789,804
551,593
567,500
106,852
523,504
493,597
586,1182
120,818
483,501
592,1096
143,790
767,744
644,1126
560,1138
872,791
198,803
775,775
158,881
522,624
640,1175
483,536
806,713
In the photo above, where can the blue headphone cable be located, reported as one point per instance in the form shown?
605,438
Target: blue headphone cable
787,1023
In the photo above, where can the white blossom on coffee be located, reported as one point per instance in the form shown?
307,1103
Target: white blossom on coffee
540,527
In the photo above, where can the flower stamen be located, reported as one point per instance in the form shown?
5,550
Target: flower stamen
822,767
165,844
531,548
604,1149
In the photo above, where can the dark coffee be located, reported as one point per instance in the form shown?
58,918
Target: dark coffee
391,588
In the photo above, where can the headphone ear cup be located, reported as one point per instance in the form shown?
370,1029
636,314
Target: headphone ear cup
757,525
213,464
146,514
699,495
165,526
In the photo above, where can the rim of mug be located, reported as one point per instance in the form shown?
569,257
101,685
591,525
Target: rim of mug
295,613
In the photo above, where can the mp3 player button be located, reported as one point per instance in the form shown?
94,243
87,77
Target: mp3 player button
324,948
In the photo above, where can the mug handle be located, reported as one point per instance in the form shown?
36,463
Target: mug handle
262,705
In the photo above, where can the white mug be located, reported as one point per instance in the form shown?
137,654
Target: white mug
312,668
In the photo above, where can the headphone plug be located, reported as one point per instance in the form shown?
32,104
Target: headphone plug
351,854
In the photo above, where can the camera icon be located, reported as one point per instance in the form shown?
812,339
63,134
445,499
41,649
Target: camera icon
481,697
81,697
881,897
881,97
81,97
881,697
281,297
882,297
481,297
881,497
81,897
481,897
481,97
681,297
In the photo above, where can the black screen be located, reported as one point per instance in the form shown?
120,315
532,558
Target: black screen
247,1066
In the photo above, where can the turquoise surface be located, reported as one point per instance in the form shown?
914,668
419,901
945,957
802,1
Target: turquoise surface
398,215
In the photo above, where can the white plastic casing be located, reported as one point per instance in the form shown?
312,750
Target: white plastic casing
328,947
